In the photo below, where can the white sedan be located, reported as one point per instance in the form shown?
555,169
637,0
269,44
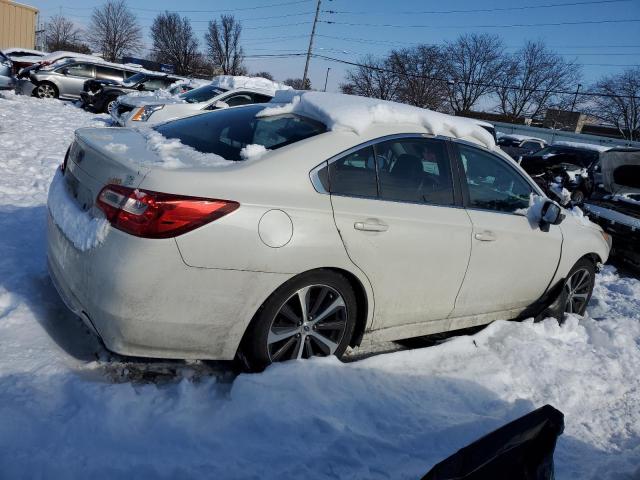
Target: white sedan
298,228
224,91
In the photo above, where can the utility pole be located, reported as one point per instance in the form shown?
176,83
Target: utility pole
313,32
326,79
575,97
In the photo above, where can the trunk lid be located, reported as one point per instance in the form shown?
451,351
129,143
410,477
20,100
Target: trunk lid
102,156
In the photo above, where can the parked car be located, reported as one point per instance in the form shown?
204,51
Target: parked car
516,147
22,57
572,166
224,91
489,127
66,79
618,210
101,94
7,81
339,226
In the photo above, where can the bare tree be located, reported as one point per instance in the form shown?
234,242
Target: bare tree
223,45
174,42
473,62
620,104
62,34
296,83
266,75
114,30
420,71
537,73
373,78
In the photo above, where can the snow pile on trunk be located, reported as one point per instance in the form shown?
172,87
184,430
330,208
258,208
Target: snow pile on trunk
253,151
231,82
349,112
116,147
173,154
588,146
84,230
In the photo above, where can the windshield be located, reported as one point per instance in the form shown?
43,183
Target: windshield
227,132
202,94
138,77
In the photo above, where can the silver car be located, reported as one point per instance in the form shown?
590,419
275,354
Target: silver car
66,80
7,82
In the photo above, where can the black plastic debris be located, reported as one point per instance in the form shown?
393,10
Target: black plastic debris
522,450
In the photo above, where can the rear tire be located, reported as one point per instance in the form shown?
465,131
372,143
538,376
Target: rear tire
311,315
46,90
109,104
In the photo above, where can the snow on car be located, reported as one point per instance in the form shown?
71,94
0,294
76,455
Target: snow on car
69,409
224,91
354,169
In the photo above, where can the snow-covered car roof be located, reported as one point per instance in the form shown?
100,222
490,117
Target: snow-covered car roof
229,82
349,112
584,146
32,53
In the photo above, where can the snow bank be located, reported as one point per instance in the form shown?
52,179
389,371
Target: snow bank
253,151
589,146
349,112
173,154
84,230
232,82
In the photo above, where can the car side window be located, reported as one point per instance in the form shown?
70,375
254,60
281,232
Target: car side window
106,73
415,170
354,174
81,70
240,99
492,183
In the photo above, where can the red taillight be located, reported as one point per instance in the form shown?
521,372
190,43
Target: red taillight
158,215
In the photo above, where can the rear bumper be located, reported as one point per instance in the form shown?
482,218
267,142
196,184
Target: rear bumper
142,300
24,87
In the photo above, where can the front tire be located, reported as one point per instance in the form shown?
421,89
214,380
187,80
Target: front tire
46,90
576,291
311,315
109,104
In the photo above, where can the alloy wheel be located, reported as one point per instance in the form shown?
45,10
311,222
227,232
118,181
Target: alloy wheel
46,91
577,288
110,106
312,322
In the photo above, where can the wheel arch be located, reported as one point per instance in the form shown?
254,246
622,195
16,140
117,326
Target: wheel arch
362,300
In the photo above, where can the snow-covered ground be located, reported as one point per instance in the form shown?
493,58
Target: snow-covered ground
70,410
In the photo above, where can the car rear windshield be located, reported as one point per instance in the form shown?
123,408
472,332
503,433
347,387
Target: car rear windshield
226,132
202,94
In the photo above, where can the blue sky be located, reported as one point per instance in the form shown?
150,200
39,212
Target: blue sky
601,48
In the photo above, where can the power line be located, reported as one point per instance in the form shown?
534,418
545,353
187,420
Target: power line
513,25
483,10
479,84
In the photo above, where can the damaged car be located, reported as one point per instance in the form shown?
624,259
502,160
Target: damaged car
618,211
563,165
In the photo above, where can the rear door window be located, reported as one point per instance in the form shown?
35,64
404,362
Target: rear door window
354,174
415,170
80,70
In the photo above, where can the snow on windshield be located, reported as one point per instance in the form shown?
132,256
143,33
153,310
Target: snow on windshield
229,82
348,112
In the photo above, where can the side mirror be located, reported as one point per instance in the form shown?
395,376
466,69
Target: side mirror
551,215
220,104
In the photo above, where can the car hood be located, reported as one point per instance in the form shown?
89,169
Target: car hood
619,166
139,101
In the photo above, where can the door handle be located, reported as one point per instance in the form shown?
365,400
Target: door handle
485,236
371,227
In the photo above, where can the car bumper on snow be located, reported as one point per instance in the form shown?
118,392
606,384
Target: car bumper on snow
142,314
7,83
24,87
